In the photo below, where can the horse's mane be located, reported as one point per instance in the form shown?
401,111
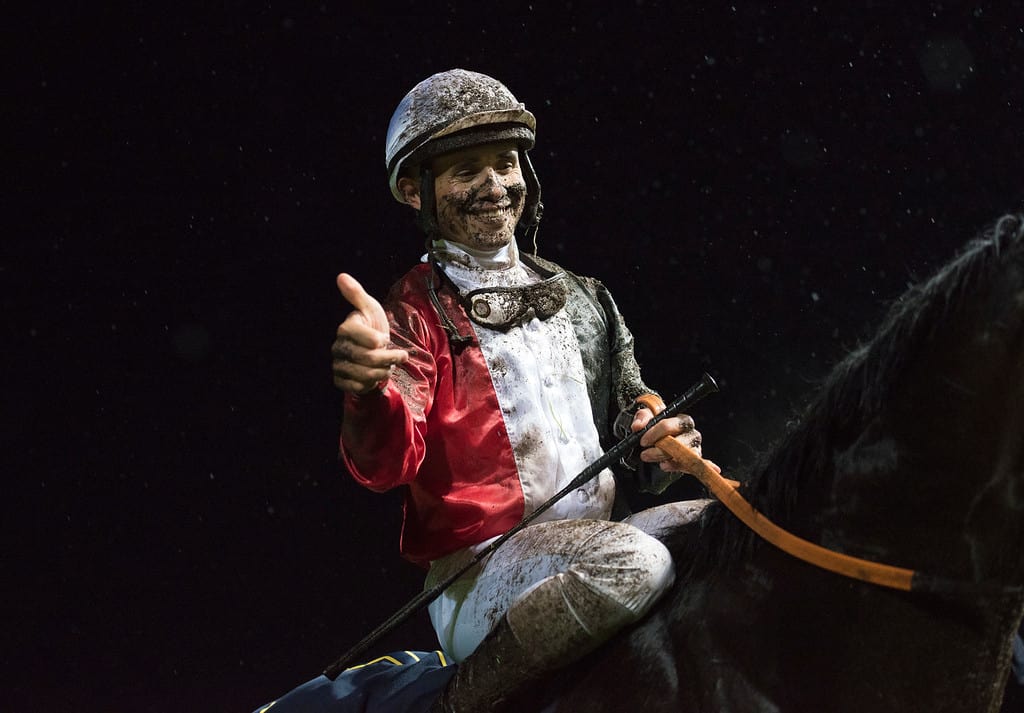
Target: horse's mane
849,396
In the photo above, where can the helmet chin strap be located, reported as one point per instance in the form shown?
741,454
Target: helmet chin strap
534,208
427,215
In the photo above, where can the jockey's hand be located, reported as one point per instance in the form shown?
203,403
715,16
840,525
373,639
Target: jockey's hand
680,427
361,360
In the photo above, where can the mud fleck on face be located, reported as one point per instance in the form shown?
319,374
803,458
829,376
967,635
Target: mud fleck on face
480,195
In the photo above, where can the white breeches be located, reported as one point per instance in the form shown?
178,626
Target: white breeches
566,585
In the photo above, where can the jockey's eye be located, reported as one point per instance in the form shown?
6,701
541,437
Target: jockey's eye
465,171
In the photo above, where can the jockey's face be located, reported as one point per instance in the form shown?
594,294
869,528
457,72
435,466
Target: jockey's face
480,194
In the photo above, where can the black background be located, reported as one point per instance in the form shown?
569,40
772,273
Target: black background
753,181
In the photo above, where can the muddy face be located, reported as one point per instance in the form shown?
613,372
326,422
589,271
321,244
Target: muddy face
480,195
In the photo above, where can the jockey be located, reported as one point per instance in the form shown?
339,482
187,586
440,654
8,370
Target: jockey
485,382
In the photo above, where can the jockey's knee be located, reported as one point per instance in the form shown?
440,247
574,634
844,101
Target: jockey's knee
627,566
618,576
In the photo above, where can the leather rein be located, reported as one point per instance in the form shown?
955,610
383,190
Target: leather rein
884,575
854,567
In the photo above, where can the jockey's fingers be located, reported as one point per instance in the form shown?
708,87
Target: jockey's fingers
358,379
642,417
655,454
345,351
681,425
355,386
355,328
692,438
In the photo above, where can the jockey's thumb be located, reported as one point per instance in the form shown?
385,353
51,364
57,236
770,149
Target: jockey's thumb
365,305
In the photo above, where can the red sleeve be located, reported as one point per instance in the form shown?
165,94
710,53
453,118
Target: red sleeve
383,435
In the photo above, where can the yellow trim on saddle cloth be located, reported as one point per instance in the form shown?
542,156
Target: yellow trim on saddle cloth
396,662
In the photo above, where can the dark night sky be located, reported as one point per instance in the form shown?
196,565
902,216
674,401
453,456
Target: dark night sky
753,182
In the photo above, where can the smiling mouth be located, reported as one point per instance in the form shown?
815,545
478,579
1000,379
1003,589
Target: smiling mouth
491,213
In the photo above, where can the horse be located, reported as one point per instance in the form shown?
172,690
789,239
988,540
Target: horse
910,454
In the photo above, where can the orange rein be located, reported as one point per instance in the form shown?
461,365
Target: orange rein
854,567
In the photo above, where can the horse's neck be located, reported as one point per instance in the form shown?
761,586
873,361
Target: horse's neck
934,481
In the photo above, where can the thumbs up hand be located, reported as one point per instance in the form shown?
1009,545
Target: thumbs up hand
361,360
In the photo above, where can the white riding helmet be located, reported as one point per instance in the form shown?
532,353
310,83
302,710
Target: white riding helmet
453,110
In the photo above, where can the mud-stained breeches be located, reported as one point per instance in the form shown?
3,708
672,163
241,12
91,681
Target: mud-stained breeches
566,585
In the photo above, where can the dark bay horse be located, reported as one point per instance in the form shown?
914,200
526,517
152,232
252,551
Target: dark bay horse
912,454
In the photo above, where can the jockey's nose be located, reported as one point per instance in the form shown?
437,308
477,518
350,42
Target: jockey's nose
492,188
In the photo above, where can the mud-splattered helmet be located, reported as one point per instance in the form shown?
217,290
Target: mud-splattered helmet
453,110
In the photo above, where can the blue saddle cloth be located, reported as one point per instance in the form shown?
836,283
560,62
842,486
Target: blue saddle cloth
400,682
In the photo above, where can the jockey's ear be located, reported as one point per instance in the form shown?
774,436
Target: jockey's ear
410,190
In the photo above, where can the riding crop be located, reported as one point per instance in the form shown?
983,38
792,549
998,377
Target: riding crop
706,385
